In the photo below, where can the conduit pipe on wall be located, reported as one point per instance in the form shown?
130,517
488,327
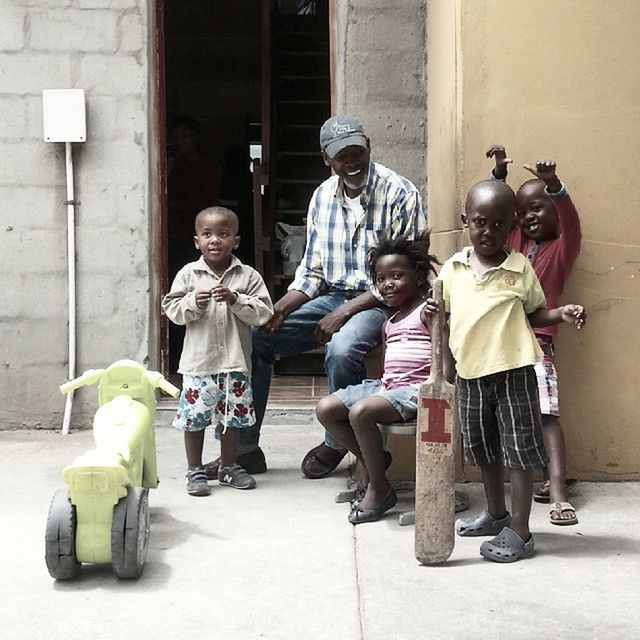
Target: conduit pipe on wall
64,120
71,268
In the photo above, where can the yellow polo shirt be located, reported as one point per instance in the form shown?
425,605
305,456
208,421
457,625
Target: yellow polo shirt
488,327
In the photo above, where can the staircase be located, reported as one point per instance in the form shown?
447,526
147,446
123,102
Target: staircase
301,102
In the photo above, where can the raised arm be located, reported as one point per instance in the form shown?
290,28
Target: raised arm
569,230
499,154
545,170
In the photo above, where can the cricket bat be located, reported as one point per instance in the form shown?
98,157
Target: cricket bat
435,459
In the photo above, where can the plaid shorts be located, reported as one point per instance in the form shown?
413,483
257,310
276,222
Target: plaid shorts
547,378
500,419
221,399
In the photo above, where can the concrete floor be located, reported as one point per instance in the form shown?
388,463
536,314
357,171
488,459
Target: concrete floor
282,562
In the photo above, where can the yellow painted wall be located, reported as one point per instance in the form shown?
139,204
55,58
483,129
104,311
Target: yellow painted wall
555,79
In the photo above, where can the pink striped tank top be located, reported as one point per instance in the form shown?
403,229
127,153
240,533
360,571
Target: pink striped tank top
407,357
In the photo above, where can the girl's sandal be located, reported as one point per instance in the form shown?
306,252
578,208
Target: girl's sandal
542,494
556,509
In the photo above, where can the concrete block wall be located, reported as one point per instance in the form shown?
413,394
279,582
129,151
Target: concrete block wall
380,75
99,46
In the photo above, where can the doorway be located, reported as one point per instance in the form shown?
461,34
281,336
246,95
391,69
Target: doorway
212,77
243,79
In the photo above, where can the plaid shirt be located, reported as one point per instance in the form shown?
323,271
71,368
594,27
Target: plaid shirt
338,244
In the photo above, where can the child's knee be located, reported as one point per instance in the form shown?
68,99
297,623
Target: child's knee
361,414
328,409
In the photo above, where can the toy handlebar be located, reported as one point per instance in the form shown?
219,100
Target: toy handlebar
158,380
88,377
154,378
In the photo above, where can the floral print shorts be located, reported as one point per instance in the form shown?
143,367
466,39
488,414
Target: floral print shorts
222,399
547,379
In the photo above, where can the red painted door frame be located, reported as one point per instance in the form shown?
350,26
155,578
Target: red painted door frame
158,188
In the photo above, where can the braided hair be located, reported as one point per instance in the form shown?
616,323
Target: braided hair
416,251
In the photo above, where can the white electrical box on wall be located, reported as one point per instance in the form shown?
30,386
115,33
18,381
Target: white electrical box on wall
63,114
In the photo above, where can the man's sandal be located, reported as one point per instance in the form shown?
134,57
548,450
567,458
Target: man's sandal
321,461
507,546
557,509
542,493
484,524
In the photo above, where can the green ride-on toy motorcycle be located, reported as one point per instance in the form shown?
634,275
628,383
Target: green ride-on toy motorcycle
103,514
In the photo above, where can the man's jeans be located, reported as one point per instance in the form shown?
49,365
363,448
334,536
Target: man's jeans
344,359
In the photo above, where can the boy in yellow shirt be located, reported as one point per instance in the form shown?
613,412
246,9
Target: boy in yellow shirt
493,298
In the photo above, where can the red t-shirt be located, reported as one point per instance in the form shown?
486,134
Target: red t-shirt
555,258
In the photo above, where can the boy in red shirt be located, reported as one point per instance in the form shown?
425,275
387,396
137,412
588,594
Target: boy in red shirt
548,233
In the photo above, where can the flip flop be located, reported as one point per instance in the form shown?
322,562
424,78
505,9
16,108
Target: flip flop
556,509
542,493
359,515
359,491
507,546
484,524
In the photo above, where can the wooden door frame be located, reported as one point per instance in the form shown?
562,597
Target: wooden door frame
159,276
333,55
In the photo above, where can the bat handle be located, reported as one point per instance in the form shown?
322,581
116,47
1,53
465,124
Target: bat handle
437,329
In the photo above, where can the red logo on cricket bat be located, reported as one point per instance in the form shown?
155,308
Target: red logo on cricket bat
437,420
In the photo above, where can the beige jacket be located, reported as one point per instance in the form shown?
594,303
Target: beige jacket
218,338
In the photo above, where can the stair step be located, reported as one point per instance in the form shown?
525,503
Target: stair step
301,24
321,53
297,181
308,113
303,101
300,77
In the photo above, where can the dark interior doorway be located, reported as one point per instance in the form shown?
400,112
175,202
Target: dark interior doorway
242,79
213,109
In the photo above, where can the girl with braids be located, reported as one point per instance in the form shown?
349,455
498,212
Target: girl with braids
400,269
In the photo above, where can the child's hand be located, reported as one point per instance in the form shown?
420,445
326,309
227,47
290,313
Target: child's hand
499,154
432,306
202,298
574,314
220,293
426,316
545,170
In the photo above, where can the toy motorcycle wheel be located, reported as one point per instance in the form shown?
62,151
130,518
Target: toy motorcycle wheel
60,538
130,533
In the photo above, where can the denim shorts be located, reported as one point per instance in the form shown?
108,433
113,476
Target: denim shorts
221,399
403,399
